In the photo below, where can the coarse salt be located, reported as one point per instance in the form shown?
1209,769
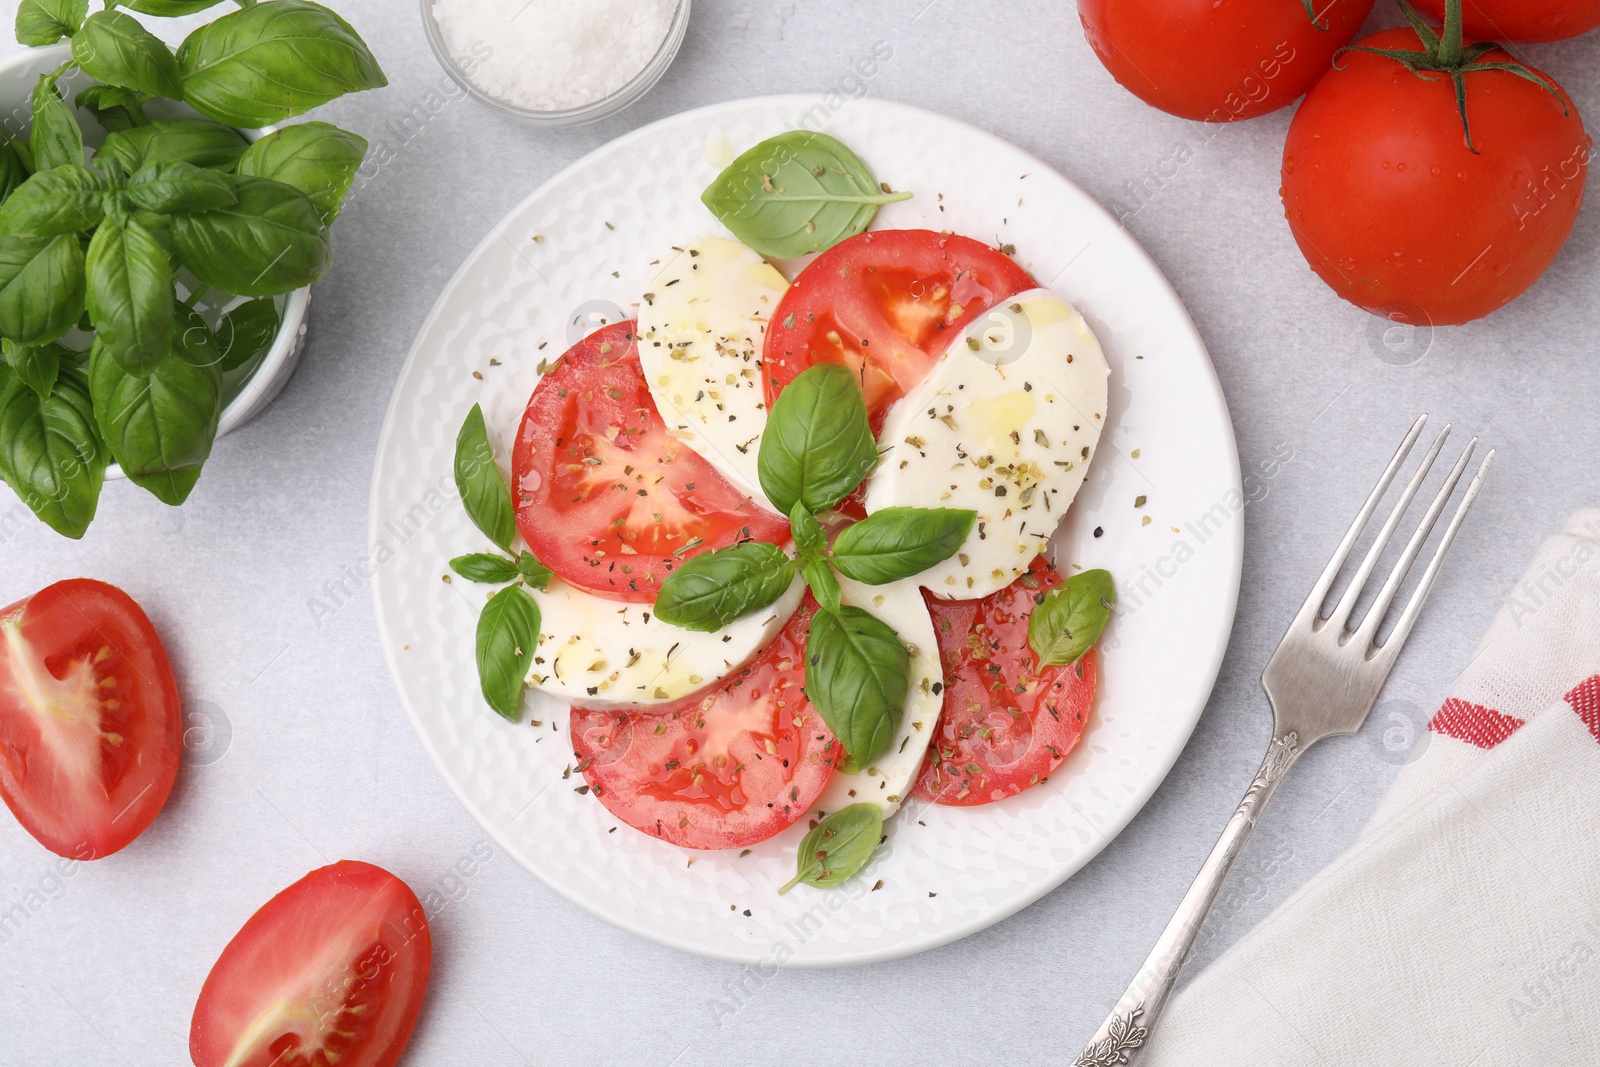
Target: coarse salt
552,55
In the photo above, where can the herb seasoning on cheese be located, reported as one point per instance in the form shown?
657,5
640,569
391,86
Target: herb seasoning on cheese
553,55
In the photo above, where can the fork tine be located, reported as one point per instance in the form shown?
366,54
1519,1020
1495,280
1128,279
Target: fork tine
1347,603
1380,606
1408,618
1312,609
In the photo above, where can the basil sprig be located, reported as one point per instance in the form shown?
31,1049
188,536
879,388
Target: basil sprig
508,628
50,454
1068,622
816,448
796,193
838,847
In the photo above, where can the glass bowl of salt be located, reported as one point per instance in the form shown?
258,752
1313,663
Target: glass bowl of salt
556,62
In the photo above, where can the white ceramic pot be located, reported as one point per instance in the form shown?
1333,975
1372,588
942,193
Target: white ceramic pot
246,390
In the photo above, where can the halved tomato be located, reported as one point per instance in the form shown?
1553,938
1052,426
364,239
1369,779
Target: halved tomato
329,971
90,730
605,497
1006,722
886,304
721,771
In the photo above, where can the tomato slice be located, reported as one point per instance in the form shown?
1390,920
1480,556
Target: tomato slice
90,730
721,771
886,303
606,498
329,971
1006,723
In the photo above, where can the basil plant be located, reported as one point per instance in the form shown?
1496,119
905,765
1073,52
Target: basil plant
133,278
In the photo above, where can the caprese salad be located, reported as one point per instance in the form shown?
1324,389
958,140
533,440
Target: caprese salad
785,541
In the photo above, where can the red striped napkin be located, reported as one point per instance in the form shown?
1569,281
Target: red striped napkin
1463,928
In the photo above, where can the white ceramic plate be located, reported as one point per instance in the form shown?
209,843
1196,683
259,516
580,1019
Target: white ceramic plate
547,270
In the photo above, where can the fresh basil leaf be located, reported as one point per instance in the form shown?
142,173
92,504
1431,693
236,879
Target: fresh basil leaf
192,339
482,486
178,188
168,8
857,673
41,287
50,452
37,365
159,424
42,22
116,49
56,139
710,590
271,241
508,635
115,108
824,586
818,444
1069,620
838,847
796,193
248,330
271,61
810,539
485,567
896,543
13,171
533,572
318,159
66,199
130,294
197,141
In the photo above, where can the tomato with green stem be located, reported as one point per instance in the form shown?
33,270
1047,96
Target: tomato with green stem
1430,181
1219,60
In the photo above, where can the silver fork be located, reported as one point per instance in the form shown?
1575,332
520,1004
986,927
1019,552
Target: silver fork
1322,682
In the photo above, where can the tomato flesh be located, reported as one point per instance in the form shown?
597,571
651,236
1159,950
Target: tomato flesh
1395,211
1214,61
726,770
1520,20
90,726
328,973
606,498
1006,723
886,304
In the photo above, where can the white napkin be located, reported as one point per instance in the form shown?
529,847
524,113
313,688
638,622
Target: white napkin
1463,928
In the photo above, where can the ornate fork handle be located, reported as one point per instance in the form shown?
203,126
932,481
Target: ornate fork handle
1121,1037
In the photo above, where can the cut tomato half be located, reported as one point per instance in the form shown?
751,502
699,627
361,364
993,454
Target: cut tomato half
90,728
722,771
1006,722
606,498
886,304
328,973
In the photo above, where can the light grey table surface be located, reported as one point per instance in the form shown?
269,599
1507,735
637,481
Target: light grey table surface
312,759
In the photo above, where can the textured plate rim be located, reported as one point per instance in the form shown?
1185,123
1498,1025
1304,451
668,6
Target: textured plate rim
1183,727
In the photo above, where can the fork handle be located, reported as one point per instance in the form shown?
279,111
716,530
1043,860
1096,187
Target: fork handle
1121,1038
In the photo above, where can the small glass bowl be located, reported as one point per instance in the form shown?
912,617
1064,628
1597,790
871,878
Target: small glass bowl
605,107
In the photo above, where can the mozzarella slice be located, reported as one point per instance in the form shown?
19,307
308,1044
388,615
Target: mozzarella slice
599,653
888,781
1005,423
701,329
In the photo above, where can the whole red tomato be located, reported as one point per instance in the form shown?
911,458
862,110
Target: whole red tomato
1400,215
1219,60
1521,20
